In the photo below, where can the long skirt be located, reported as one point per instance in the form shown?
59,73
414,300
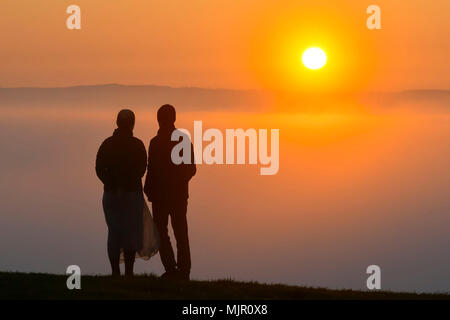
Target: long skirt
130,223
123,214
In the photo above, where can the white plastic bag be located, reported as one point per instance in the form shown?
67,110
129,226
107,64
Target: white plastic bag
150,237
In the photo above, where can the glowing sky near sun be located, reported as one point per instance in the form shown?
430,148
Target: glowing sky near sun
229,44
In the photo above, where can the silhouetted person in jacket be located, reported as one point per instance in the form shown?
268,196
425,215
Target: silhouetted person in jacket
120,165
166,186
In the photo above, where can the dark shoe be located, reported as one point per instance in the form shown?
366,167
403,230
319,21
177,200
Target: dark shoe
169,275
129,271
115,275
183,276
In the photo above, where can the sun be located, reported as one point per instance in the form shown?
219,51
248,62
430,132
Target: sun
314,58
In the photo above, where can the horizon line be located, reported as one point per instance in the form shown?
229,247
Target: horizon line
226,89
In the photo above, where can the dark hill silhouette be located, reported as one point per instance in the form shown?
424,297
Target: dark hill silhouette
114,95
424,98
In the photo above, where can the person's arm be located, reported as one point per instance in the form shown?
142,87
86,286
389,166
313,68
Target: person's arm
191,168
142,160
101,164
149,172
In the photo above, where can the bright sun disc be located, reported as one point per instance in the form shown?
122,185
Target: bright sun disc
314,58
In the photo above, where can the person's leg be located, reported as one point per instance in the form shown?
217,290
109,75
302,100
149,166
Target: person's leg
132,207
110,209
129,256
180,229
161,219
114,252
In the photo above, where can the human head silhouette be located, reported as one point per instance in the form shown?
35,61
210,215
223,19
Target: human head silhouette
166,116
125,119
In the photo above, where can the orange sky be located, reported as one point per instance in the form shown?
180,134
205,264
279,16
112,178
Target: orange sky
229,44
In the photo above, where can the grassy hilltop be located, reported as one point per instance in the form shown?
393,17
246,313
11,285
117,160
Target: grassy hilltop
48,286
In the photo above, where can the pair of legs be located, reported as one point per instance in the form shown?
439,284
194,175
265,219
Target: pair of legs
177,211
123,214
114,256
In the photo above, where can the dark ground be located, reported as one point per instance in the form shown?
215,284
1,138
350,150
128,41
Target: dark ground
144,287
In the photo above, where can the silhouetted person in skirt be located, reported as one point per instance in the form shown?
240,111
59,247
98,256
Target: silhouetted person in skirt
120,165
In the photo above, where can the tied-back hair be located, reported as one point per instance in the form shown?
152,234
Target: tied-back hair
125,119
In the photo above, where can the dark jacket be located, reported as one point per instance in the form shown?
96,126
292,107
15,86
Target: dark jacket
121,162
165,180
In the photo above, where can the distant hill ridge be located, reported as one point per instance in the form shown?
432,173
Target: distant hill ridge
188,98
115,95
